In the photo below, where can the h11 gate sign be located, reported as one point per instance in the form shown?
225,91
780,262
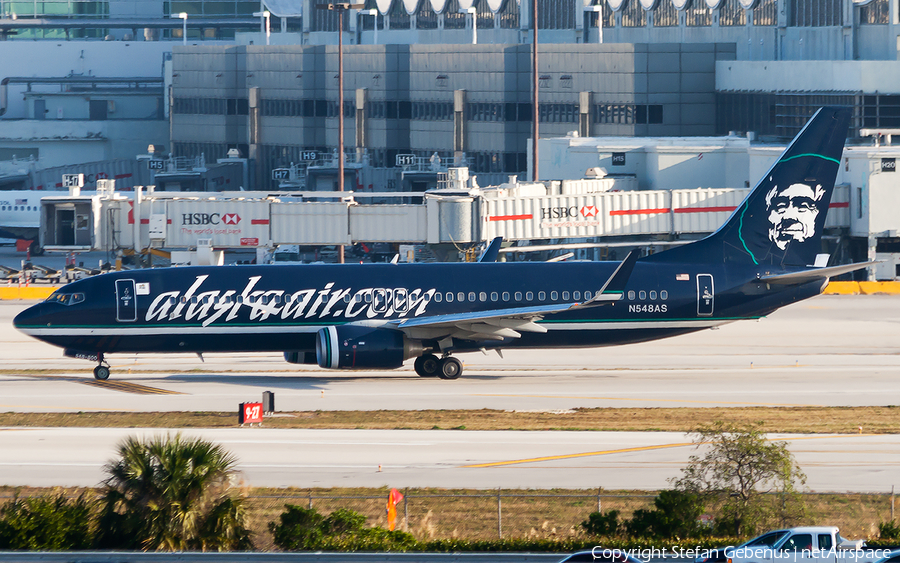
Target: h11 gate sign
248,413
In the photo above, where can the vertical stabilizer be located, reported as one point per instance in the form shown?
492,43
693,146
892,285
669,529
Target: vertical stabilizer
780,223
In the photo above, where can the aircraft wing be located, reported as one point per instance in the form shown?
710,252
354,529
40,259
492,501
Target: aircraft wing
804,276
498,324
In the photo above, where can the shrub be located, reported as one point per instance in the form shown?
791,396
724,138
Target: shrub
46,523
889,531
602,524
676,514
301,528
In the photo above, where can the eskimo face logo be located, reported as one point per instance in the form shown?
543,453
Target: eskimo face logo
792,213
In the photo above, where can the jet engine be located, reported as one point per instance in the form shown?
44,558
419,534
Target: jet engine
363,347
300,357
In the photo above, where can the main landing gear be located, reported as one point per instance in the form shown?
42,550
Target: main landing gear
101,372
430,365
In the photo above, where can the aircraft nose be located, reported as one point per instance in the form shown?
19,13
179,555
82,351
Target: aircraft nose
29,318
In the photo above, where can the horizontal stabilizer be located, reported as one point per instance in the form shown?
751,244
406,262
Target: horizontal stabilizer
804,276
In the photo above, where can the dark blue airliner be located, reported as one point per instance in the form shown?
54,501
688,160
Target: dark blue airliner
376,316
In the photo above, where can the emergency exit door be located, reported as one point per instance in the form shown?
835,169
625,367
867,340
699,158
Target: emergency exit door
126,303
705,295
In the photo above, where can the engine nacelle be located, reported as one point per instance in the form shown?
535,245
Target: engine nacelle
296,357
363,347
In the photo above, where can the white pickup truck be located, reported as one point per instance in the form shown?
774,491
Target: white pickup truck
813,544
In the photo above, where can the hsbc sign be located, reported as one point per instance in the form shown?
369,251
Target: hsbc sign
573,212
229,224
571,216
197,219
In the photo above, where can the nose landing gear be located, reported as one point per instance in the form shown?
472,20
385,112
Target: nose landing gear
101,372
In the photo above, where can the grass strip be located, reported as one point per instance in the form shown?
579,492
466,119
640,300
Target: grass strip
806,420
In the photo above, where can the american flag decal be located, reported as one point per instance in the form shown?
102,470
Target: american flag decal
21,202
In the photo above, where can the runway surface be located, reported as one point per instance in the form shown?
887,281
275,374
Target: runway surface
830,350
466,459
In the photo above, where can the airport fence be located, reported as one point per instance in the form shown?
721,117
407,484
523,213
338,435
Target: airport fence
484,515
509,513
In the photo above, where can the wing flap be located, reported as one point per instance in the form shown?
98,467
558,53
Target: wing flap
499,324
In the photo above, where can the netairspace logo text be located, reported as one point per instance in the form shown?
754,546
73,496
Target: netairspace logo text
831,555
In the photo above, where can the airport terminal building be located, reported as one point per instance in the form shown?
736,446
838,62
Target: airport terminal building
416,84
448,80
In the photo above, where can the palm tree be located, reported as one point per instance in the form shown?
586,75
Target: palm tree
171,494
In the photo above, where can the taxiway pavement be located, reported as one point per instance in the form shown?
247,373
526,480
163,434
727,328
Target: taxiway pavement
830,350
443,458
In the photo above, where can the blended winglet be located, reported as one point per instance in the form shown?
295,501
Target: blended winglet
614,287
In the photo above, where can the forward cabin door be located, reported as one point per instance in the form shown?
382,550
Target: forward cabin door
126,304
705,295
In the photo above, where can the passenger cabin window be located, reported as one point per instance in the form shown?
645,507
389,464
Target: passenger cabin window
565,295
460,296
587,295
631,295
542,296
663,294
380,301
438,297
472,296
529,296
652,295
554,296
642,295
505,296
576,295
494,296
449,297
518,296
482,296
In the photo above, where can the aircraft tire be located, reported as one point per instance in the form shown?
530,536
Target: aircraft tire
450,368
101,373
428,365
36,249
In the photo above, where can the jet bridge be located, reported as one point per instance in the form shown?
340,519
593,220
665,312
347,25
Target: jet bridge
572,211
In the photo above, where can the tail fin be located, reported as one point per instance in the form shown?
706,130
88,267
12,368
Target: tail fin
782,219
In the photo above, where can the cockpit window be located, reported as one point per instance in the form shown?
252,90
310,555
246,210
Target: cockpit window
65,298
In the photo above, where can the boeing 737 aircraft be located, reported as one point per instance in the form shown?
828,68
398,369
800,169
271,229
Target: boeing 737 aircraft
375,316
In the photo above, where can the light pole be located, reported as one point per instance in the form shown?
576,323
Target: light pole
183,16
374,13
534,95
474,13
265,14
340,8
